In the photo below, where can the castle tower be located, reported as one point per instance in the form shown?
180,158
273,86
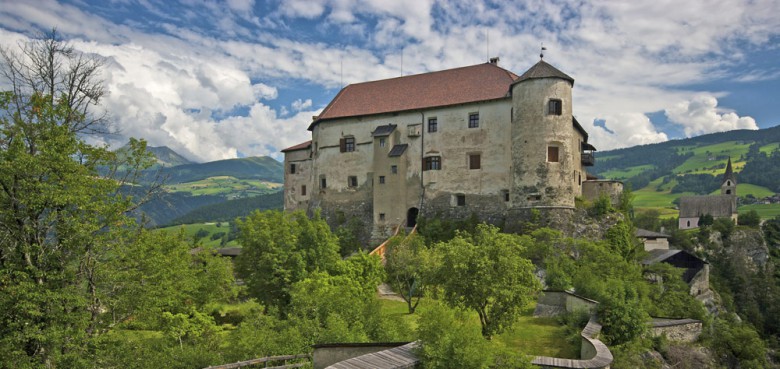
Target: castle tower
545,144
729,185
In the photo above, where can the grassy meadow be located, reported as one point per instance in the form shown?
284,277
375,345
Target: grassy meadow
190,231
225,185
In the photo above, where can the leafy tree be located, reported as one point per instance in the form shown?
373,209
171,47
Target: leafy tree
622,241
405,266
649,220
750,219
280,249
448,341
485,272
706,220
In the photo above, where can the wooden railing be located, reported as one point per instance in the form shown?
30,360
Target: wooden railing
380,250
267,360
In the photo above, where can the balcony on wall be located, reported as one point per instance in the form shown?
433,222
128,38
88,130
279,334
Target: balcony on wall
588,157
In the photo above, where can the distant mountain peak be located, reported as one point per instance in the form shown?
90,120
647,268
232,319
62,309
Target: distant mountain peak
166,157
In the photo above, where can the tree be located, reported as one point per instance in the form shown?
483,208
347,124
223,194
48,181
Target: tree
405,266
280,249
485,272
750,219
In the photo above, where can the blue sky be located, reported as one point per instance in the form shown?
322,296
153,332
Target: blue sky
222,79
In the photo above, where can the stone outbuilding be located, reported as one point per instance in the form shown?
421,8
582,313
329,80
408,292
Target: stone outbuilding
652,240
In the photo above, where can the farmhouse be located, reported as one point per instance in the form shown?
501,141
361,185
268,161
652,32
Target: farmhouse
692,208
478,140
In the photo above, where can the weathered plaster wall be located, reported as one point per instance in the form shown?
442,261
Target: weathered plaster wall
537,181
592,190
293,182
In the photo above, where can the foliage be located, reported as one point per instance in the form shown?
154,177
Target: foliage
723,225
216,210
700,184
648,219
405,263
447,341
349,236
621,240
601,206
280,249
739,344
670,295
706,220
750,219
486,272
440,229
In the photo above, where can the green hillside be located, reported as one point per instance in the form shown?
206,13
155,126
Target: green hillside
211,235
230,187
661,173
262,168
232,209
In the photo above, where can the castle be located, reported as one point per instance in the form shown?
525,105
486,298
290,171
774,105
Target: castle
718,206
472,140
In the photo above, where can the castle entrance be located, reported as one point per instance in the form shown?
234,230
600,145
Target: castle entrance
411,217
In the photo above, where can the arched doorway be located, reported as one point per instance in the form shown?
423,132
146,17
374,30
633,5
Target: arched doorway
411,217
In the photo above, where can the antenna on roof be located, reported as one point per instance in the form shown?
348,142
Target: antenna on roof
402,62
487,47
541,54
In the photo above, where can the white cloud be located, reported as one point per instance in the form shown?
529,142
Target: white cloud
299,104
624,130
701,115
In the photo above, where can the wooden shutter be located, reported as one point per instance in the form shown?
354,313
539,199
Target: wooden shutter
343,145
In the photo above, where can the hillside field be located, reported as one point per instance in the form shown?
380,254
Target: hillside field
230,187
190,230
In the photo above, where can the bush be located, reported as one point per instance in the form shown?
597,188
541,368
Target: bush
750,219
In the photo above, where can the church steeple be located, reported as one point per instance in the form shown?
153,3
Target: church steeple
729,185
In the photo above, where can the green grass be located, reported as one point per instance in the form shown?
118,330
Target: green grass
531,336
766,211
626,173
191,229
701,163
768,149
225,185
744,189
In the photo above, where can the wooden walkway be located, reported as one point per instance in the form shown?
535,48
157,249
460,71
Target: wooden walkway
267,360
401,357
602,359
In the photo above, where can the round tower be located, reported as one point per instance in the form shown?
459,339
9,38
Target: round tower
545,146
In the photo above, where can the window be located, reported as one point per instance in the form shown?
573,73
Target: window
461,200
394,169
432,163
552,154
381,142
381,179
433,125
323,183
381,216
303,190
554,107
347,144
474,161
292,168
506,195
474,120
352,181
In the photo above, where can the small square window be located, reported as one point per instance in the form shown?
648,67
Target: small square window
303,190
347,144
475,161
323,183
394,169
382,142
432,163
461,200
506,195
552,154
292,168
554,107
352,181
433,125
474,120
381,179
381,216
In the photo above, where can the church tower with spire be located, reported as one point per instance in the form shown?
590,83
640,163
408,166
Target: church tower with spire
729,185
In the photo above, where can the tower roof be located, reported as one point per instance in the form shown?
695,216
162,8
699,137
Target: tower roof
544,70
729,174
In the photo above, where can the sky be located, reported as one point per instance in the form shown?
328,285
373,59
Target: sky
224,79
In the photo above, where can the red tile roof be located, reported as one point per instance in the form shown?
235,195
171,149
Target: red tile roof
300,146
474,83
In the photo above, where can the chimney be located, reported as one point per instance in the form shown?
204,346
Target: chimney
494,60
